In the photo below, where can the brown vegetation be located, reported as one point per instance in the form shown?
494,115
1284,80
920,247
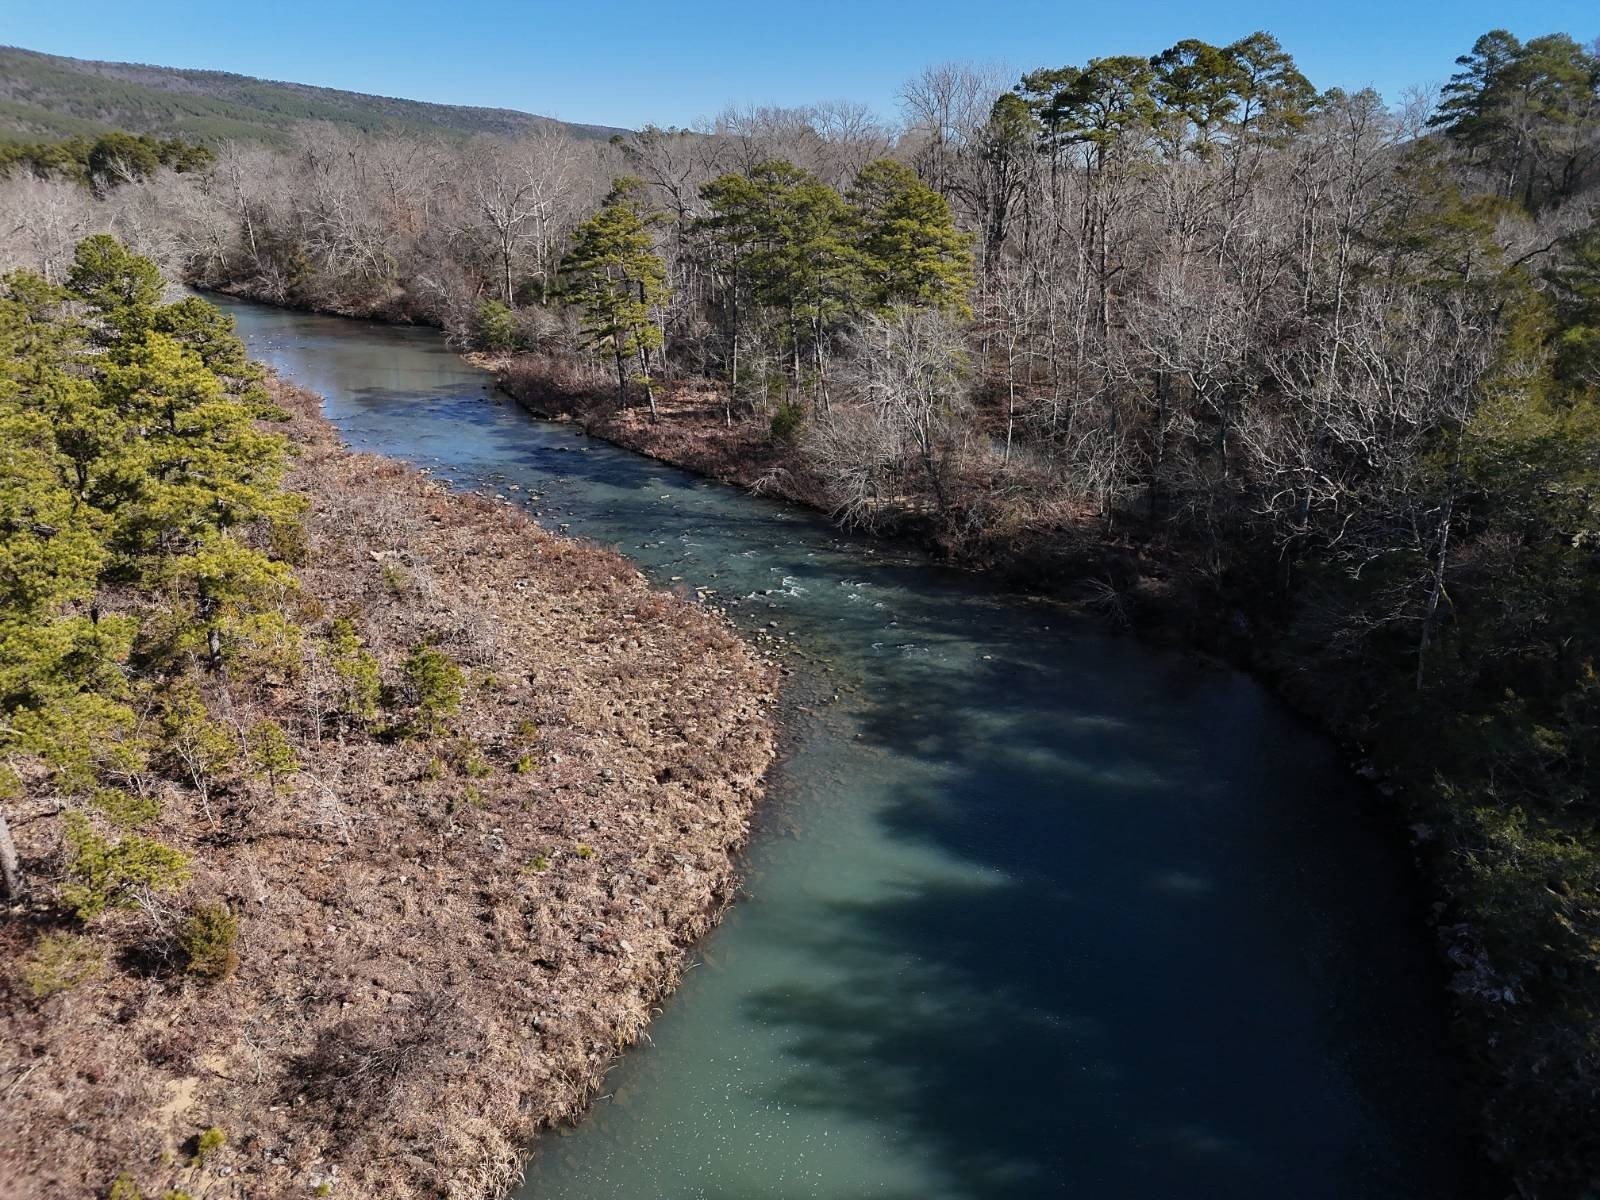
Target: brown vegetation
1287,368
441,942
1006,524
690,432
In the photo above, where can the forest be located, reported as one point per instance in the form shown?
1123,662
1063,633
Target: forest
1174,327
45,96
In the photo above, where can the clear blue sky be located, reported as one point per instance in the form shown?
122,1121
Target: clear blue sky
621,62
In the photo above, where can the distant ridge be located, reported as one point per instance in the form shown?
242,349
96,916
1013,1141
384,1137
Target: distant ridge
45,97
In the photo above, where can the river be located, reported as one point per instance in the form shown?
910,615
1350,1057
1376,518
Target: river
1031,911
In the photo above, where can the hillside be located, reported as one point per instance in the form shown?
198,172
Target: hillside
43,96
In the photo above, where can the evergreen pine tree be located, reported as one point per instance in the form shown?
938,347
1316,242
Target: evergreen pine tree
615,276
912,251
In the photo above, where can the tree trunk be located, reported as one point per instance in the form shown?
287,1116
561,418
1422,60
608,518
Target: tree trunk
794,351
930,467
1011,394
250,235
649,389
821,401
1430,614
10,869
1011,414
733,386
1155,501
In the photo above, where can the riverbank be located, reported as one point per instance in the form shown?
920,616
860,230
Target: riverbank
985,763
442,942
1163,592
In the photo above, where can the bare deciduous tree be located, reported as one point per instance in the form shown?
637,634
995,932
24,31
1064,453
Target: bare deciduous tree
518,191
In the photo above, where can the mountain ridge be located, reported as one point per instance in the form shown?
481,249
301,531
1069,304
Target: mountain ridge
45,96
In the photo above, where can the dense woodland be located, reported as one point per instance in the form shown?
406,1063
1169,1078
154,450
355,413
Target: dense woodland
1333,363
103,162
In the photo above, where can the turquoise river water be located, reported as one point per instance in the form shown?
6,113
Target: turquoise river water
1031,911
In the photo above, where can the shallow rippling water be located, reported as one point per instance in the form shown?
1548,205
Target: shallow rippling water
1031,911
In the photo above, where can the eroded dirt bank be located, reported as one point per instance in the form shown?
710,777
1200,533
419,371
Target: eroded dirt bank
443,941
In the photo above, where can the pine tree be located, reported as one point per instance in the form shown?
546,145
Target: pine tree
1274,98
777,267
61,688
1527,110
1577,288
1197,85
615,275
912,252
806,268
120,287
209,332
131,464
199,464
733,228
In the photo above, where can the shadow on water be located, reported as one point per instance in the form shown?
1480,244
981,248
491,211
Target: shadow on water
1032,912
1074,1024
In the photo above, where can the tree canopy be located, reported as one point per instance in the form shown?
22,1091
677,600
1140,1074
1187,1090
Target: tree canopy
133,459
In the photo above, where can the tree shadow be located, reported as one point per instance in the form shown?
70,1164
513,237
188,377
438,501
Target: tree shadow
1179,963
1171,955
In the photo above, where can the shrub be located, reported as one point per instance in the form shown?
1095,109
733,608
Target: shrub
208,1143
125,809
788,419
60,961
82,735
435,684
103,875
525,765
396,581
583,851
124,1188
209,938
226,600
361,682
272,755
496,326
289,541
265,646
470,760
203,747
308,608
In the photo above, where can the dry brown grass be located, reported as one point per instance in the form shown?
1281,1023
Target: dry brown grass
1001,514
692,430
435,960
